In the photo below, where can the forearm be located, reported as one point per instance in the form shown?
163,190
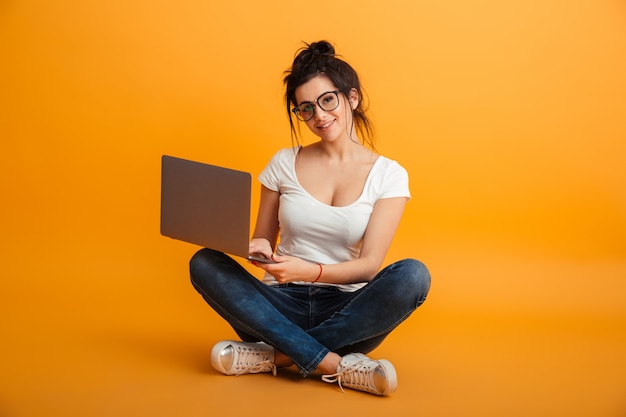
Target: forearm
267,219
357,270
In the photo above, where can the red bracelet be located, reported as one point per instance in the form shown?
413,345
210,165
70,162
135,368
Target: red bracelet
318,275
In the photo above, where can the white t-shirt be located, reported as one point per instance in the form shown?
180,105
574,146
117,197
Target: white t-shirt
312,230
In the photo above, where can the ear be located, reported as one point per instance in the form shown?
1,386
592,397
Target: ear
354,98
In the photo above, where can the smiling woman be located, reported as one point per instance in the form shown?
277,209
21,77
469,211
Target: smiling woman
333,263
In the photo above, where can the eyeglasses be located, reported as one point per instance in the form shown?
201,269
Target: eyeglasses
327,102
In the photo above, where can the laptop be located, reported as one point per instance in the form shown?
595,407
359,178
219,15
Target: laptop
206,205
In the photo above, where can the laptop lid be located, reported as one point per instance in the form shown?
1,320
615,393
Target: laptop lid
205,205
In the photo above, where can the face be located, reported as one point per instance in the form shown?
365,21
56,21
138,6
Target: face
331,125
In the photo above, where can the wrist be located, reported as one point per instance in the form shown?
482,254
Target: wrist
319,274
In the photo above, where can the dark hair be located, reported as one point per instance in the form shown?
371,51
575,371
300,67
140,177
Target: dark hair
318,58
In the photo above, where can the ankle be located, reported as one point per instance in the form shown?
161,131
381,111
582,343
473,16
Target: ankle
281,360
329,364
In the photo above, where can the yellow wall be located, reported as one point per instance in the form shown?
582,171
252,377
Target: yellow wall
509,116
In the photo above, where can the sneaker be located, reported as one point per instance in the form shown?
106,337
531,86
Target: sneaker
359,372
238,358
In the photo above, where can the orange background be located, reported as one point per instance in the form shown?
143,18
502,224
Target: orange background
509,117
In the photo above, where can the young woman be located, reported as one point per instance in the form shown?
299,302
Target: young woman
327,216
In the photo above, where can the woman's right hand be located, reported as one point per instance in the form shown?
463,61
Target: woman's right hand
260,246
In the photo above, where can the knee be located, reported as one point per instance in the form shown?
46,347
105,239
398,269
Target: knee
414,277
200,264
198,260
418,272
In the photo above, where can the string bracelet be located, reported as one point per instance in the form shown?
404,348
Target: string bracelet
318,275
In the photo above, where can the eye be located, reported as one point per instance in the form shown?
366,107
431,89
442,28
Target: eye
328,99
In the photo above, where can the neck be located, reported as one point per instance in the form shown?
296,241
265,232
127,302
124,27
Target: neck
342,150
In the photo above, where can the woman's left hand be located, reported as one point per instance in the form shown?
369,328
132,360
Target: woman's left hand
288,269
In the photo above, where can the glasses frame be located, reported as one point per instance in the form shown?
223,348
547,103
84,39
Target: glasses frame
296,109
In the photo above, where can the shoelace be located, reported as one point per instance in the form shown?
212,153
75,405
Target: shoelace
355,375
252,361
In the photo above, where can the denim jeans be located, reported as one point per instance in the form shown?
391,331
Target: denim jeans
307,322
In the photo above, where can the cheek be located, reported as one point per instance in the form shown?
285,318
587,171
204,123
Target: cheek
311,124
347,113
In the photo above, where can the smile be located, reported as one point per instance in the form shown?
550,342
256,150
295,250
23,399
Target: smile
326,126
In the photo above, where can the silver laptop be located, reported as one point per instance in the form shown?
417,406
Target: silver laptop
206,205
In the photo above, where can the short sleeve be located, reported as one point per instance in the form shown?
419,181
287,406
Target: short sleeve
270,176
395,181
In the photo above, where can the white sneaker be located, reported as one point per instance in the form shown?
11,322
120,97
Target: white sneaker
238,358
359,372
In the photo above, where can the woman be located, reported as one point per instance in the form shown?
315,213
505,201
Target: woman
323,303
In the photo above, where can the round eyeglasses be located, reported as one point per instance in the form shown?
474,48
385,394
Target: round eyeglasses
327,102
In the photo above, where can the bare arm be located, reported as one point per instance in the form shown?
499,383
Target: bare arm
266,230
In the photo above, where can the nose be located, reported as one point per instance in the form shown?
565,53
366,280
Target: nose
319,113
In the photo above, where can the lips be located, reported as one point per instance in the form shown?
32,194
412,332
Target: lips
325,126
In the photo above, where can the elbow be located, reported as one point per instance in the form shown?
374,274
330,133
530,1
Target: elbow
370,270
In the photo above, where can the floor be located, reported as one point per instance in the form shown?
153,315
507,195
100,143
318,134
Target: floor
115,331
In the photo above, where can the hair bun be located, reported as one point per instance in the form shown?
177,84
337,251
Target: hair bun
322,48
314,57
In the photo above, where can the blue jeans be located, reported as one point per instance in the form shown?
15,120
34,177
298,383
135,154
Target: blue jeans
305,322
